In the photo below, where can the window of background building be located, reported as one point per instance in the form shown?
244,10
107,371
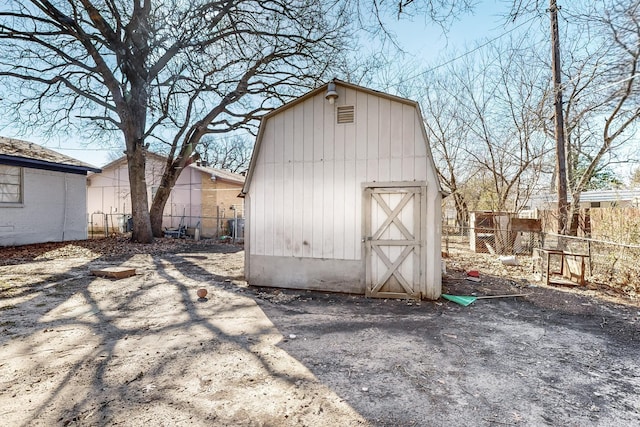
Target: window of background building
10,184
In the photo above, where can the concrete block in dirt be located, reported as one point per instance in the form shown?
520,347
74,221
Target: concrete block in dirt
114,272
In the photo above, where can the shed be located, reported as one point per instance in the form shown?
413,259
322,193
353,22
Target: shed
342,195
43,194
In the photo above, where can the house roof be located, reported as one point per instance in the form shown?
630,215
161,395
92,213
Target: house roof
592,196
313,93
123,160
16,152
609,195
212,172
220,173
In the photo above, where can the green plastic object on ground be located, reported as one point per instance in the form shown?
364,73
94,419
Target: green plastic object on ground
468,299
460,299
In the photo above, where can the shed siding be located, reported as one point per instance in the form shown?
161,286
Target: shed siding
306,189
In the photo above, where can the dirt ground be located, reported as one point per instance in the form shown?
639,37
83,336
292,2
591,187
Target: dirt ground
77,349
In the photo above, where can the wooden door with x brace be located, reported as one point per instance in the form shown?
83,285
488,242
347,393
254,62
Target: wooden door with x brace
394,240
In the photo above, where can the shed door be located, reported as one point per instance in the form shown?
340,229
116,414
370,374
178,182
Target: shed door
392,241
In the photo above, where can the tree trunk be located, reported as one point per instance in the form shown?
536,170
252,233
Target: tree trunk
573,215
462,210
139,202
173,168
168,181
157,208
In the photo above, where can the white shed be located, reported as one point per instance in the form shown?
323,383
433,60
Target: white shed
342,195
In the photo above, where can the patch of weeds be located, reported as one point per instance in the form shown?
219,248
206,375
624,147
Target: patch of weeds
7,323
41,304
7,307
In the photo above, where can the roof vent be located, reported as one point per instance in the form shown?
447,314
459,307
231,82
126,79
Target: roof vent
346,114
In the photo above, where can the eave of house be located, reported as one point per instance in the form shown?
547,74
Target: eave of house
16,152
219,174
44,165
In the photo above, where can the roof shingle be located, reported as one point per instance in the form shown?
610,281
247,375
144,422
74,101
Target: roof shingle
28,150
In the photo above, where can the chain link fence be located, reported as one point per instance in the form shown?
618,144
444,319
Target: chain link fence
612,264
491,241
217,227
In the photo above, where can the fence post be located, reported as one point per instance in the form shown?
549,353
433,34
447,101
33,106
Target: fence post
446,239
589,253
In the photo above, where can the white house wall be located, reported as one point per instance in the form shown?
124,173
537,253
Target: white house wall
185,199
53,210
109,193
306,194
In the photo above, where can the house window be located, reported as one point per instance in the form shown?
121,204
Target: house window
595,204
10,184
346,114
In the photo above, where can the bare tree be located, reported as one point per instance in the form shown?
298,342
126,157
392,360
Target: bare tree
601,52
635,178
232,154
499,95
600,66
163,73
169,72
613,94
483,115
448,132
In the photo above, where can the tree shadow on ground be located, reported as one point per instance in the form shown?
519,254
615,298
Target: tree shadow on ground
73,355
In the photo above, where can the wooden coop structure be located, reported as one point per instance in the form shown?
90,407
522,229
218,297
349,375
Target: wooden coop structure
503,233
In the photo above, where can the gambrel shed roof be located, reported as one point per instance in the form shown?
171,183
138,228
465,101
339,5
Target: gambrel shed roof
311,94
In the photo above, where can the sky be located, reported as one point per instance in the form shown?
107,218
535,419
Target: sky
423,41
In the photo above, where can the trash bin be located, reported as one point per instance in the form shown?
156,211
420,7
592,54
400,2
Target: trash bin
129,224
239,230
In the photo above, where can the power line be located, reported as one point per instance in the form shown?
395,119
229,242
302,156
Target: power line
607,86
488,42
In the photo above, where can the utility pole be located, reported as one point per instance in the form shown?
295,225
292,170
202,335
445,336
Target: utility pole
561,162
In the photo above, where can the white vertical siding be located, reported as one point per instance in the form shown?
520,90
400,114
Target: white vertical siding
306,195
307,219
257,204
278,197
384,142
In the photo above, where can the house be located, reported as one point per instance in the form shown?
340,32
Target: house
203,197
43,196
621,205
342,195
591,199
